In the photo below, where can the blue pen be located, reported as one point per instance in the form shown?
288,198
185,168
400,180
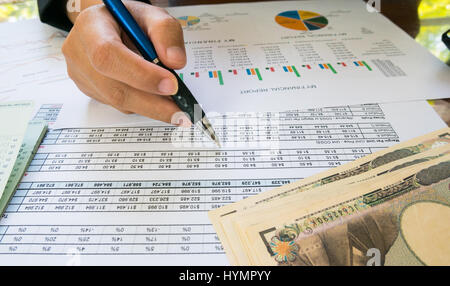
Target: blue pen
183,98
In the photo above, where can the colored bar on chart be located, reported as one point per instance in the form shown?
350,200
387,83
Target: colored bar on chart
219,74
181,76
285,69
289,68
234,71
210,74
321,66
197,74
331,68
307,66
258,74
253,72
325,66
356,64
367,66
272,69
249,72
215,74
295,71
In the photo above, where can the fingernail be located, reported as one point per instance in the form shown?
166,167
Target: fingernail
181,120
176,54
167,86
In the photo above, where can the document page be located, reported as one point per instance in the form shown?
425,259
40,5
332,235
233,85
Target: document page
277,56
272,56
140,195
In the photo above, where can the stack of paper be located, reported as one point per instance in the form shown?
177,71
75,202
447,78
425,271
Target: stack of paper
14,117
31,141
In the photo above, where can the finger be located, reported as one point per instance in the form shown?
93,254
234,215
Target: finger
109,56
124,97
86,86
153,106
165,33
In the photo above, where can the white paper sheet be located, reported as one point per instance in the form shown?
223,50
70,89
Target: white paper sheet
344,55
127,196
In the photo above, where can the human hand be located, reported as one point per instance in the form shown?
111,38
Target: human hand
105,65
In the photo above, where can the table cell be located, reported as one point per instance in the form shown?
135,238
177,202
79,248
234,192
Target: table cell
14,248
159,207
151,239
115,249
186,239
184,248
152,229
83,239
150,249
87,229
186,229
3,229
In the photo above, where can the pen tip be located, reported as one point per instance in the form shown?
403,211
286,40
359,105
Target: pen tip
207,128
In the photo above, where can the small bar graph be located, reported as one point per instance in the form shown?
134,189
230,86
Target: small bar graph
212,74
306,66
253,72
327,67
362,64
274,72
291,69
332,68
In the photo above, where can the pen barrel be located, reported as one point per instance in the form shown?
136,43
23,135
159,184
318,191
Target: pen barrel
184,99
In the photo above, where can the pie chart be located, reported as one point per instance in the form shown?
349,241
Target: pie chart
301,20
187,21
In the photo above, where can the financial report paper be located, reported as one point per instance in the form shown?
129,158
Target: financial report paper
274,56
135,196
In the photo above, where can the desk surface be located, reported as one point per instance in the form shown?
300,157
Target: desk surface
424,20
